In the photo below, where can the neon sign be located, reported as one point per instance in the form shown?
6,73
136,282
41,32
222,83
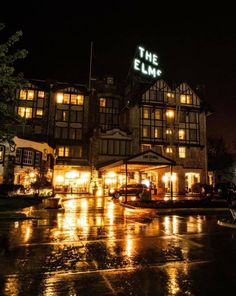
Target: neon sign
146,62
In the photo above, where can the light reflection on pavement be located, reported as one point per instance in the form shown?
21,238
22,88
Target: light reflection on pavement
93,246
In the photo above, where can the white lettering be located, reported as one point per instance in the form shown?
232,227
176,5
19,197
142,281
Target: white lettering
137,64
154,59
159,72
148,56
143,70
146,63
141,51
152,71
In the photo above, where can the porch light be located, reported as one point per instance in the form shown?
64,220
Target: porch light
173,177
170,113
165,178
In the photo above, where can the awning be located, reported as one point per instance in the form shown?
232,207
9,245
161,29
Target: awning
142,161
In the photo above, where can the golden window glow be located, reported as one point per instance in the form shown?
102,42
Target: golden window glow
156,132
66,98
145,132
59,98
157,114
169,131
170,95
185,99
182,152
39,112
23,94
66,151
169,150
181,134
170,113
61,151
25,112
102,102
30,95
145,113
77,99
41,94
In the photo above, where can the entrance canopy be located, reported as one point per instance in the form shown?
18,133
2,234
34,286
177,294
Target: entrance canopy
142,161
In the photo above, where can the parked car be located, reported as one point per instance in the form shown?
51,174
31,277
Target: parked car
225,189
202,189
132,189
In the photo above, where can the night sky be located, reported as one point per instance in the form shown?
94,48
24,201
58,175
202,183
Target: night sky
194,43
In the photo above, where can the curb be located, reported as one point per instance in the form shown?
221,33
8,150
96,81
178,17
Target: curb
176,210
226,224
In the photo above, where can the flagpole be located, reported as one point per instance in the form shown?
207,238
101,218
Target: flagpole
90,64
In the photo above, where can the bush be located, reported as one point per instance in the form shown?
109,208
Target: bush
9,189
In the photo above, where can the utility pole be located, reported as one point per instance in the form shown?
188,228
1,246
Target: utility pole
90,64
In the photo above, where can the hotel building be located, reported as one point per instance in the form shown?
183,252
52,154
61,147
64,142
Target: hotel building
104,137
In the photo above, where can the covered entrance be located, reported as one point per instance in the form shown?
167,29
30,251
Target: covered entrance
140,168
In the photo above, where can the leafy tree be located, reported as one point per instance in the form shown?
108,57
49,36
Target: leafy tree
9,83
218,156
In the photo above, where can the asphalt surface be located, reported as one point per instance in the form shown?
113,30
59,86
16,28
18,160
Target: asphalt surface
93,246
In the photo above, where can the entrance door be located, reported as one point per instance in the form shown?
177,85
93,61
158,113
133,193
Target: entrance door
167,179
190,179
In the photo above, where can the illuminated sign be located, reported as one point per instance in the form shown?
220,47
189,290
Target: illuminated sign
146,62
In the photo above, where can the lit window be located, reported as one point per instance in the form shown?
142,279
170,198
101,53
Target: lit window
182,152
145,113
64,115
63,151
23,94
41,94
170,113
102,102
25,112
66,98
39,112
1,153
156,132
185,99
157,114
66,151
59,98
169,131
181,134
60,151
170,95
145,132
80,100
30,95
169,150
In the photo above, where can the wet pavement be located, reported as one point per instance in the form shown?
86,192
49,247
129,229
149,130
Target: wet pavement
93,246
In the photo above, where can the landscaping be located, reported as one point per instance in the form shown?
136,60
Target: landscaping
17,203
161,204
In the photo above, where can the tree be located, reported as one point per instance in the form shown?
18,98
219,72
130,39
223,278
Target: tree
10,82
220,161
218,156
